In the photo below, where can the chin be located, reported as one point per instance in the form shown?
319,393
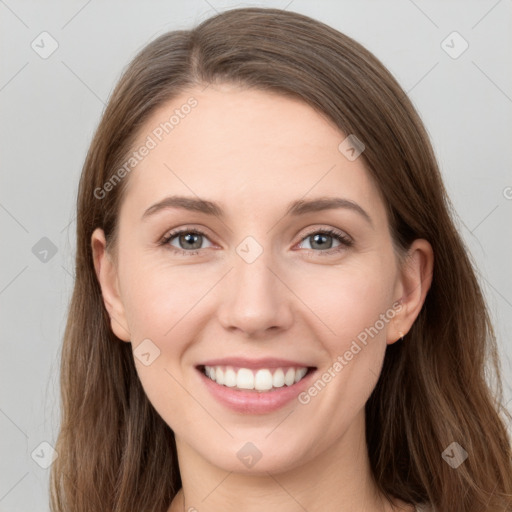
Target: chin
258,456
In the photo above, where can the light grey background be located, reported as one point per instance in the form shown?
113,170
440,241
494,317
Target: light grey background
51,106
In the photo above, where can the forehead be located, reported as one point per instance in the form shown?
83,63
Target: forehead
243,146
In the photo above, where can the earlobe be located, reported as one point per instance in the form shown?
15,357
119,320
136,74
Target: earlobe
106,273
415,281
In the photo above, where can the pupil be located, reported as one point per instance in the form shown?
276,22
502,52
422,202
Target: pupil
189,238
317,236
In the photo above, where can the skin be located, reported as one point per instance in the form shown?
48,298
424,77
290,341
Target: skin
254,152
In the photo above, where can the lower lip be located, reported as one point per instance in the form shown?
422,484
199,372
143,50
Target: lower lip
254,402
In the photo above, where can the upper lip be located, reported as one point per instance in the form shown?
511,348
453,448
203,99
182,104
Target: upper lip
266,362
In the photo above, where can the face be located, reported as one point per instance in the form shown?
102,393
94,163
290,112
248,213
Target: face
260,291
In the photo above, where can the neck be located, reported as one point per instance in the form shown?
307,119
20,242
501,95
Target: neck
336,480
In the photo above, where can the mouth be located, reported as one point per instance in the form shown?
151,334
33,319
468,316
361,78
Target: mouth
255,387
261,380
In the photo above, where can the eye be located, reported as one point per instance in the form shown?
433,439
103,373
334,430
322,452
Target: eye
320,240
189,240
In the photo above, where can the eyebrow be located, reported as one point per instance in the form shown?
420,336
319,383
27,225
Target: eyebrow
295,208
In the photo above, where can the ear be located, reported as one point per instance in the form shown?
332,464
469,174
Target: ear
414,282
106,272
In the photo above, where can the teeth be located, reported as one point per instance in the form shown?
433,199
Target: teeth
263,380
219,376
229,378
278,378
299,374
259,380
289,377
244,378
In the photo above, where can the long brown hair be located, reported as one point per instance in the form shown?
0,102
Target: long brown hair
117,454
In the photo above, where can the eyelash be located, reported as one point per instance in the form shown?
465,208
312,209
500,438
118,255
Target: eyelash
345,242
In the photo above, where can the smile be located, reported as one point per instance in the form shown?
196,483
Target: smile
263,379
255,386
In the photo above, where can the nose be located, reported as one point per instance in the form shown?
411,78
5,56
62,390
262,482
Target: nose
255,297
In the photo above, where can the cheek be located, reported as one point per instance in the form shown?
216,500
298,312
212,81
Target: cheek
349,299
161,305
355,344
156,296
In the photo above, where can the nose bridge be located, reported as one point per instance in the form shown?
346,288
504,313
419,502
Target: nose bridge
252,277
252,263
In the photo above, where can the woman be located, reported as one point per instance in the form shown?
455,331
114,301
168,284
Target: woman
321,343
